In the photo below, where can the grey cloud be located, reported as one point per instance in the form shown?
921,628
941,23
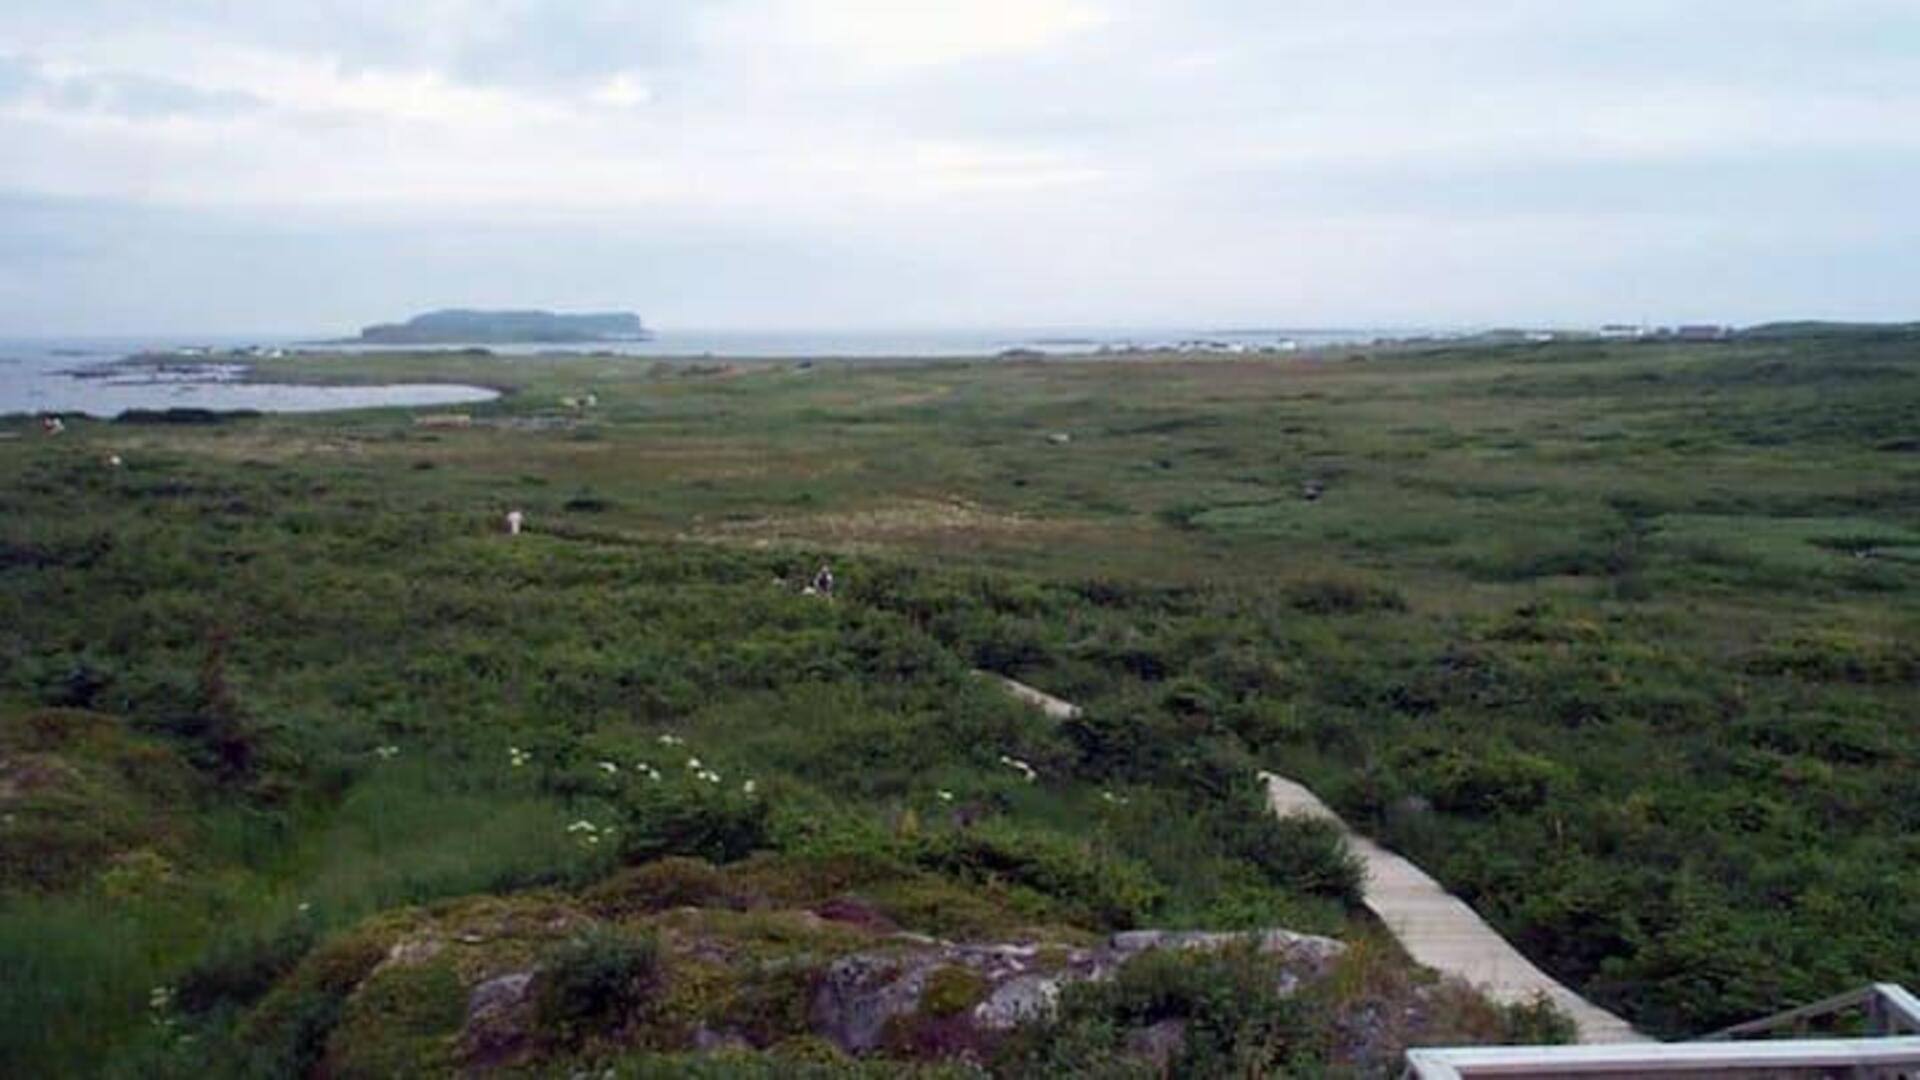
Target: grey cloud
1313,160
1761,187
136,96
483,42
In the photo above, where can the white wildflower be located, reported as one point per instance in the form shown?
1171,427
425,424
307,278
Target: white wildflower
517,757
1024,769
386,753
584,826
694,764
1117,800
609,768
945,795
748,787
672,740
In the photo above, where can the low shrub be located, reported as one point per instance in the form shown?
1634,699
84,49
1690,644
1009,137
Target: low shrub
1491,780
717,824
675,881
240,968
1306,855
597,981
1227,1009
1105,888
1341,596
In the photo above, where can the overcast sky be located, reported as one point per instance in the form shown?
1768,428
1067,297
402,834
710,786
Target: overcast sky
191,165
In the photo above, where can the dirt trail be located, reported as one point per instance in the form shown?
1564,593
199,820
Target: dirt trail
1441,931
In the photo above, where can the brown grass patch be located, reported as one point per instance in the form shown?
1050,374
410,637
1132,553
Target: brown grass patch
904,521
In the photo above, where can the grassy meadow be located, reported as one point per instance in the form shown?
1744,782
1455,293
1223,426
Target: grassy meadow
1619,641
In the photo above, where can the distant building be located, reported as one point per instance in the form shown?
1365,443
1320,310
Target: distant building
1623,332
1704,333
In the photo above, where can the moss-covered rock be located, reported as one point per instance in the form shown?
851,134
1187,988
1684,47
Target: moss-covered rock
400,1022
544,981
78,791
952,990
287,1033
663,884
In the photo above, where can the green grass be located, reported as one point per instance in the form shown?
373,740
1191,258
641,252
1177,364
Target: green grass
1587,630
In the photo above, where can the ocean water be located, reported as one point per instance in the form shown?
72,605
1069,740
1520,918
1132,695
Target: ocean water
62,374
935,344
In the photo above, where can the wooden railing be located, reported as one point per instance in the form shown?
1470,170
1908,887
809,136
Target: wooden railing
1889,1010
1891,1051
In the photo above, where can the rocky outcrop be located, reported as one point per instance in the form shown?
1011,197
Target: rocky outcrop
966,995
499,1020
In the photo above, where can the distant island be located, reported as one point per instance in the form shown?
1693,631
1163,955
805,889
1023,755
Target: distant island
461,326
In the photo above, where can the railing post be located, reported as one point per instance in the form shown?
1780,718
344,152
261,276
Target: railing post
1899,1008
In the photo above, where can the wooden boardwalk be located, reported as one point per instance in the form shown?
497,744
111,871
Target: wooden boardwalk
1053,707
1440,931
1436,928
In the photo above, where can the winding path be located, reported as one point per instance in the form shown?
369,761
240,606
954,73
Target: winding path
1436,928
1439,930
